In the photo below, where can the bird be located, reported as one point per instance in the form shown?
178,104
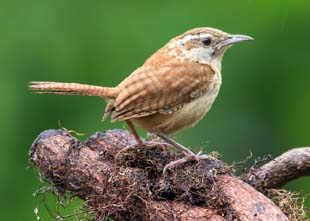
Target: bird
170,92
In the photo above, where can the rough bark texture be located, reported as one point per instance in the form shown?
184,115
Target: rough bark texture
133,187
274,174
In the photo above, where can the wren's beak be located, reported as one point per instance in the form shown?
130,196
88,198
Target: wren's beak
231,39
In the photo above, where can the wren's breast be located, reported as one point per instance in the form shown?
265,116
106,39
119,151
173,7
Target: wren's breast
187,116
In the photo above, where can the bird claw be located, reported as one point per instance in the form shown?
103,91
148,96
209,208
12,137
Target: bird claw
152,144
125,149
190,157
147,144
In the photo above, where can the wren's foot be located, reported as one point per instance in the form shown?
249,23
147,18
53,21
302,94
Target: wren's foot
140,142
147,144
185,159
156,144
189,155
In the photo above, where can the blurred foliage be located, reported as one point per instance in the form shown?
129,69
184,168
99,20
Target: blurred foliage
264,104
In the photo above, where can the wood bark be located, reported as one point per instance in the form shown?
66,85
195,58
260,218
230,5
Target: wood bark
133,186
274,174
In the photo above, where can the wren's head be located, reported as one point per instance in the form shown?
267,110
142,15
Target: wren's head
203,45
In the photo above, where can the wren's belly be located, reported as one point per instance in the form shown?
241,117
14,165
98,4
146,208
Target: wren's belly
184,118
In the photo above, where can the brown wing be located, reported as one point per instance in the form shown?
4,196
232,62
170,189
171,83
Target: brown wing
163,90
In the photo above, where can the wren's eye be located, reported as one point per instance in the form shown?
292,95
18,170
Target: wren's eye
206,41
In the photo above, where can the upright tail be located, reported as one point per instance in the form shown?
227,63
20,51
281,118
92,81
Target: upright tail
45,87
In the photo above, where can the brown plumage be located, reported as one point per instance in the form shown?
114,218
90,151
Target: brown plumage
171,91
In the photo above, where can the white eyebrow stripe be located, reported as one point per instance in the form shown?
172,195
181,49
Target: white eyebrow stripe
205,35
192,37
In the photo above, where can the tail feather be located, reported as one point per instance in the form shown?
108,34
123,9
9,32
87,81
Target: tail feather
45,87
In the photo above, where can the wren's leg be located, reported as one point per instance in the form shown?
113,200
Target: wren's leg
134,132
140,142
184,150
135,135
189,155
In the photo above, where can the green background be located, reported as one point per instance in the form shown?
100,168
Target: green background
263,105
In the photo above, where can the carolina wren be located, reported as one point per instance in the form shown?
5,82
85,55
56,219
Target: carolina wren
170,92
